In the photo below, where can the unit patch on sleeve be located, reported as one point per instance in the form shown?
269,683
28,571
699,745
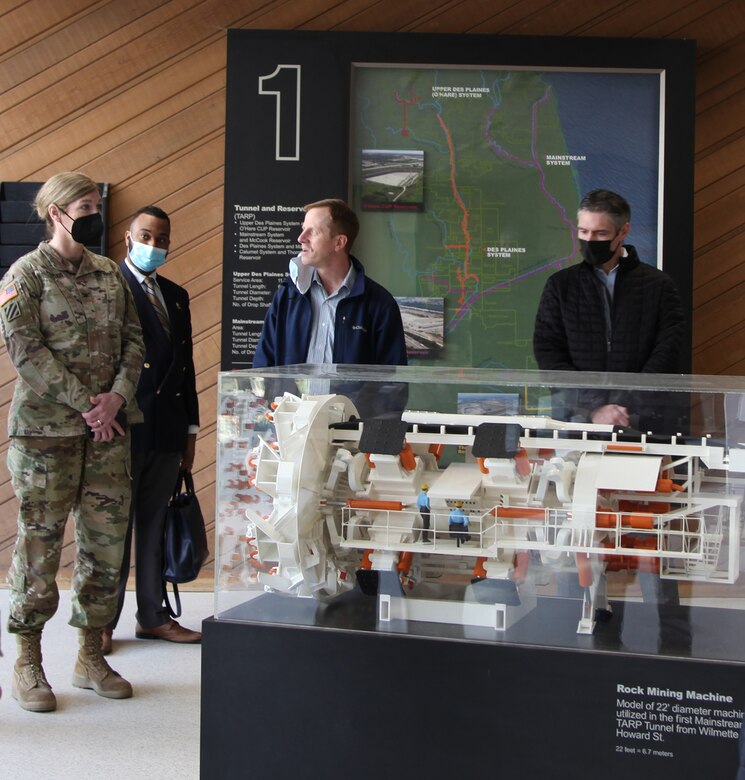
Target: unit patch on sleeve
11,311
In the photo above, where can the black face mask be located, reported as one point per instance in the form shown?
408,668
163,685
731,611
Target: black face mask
86,230
596,252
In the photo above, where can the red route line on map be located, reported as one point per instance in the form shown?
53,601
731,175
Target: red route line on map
463,274
411,101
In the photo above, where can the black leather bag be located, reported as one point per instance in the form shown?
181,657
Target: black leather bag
185,544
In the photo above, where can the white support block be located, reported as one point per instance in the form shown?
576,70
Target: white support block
463,613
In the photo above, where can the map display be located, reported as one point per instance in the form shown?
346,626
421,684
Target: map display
467,182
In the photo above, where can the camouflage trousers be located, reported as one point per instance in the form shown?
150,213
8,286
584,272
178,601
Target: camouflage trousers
53,477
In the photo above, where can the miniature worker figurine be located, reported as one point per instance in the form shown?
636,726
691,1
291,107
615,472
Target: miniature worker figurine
423,506
458,524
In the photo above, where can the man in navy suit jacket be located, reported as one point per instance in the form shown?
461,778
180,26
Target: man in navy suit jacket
164,443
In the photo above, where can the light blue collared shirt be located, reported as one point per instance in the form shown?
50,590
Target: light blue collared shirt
324,305
609,279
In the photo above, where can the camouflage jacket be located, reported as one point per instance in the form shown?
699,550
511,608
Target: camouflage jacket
71,333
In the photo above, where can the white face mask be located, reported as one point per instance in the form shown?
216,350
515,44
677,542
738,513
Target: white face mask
300,274
147,258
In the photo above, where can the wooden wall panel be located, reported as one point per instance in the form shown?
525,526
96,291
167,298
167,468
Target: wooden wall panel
134,94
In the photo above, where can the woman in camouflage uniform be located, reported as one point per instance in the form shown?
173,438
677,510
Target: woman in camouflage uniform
73,335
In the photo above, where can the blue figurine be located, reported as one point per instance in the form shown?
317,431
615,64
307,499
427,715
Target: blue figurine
458,524
423,506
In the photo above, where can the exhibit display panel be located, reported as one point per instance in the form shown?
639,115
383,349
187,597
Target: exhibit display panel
486,506
465,158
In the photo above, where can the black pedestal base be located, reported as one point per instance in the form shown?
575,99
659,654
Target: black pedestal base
327,692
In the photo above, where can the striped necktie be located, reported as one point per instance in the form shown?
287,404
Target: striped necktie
148,285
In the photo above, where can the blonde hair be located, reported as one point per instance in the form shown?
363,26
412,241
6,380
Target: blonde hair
61,190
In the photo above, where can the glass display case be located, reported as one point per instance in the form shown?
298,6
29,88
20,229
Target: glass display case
497,506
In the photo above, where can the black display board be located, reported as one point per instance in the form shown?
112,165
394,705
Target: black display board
291,115
336,696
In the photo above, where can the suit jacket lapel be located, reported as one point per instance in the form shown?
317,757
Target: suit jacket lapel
148,318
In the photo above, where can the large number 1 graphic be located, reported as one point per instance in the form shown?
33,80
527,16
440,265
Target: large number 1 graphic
286,83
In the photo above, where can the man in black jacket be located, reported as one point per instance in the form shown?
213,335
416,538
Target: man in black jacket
611,312
165,441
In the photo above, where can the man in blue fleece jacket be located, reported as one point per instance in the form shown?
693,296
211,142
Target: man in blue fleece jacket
327,310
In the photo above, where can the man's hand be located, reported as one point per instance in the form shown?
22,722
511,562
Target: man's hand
187,456
611,414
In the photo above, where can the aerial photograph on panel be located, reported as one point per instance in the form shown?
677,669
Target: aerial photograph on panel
392,179
424,325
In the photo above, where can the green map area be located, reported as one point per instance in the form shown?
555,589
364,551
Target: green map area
499,199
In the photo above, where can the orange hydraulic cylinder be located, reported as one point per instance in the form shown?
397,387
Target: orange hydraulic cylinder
641,520
522,463
647,507
605,519
478,569
665,485
404,562
522,559
408,461
518,512
584,570
369,503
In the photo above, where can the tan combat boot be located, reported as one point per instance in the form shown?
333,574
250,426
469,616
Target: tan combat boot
30,687
92,671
